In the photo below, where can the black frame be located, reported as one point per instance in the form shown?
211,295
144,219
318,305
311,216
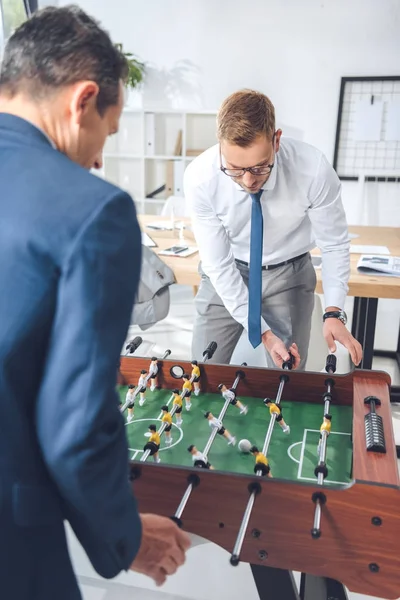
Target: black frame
345,80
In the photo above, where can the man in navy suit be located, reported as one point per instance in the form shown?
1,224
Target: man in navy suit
70,254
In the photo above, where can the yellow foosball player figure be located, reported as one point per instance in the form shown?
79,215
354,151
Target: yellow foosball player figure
214,422
142,386
262,463
153,370
188,387
195,377
130,397
199,459
274,409
177,401
228,394
166,418
153,443
326,426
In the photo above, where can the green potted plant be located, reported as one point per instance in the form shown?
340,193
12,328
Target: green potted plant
136,74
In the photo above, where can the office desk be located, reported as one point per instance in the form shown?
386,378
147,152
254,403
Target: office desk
366,289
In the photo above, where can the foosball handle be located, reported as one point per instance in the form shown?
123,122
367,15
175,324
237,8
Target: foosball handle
167,353
374,430
330,366
209,351
288,364
134,344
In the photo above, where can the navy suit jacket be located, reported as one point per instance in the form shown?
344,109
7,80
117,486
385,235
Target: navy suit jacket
70,254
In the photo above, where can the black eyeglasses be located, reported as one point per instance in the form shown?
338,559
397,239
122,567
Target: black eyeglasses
264,170
257,171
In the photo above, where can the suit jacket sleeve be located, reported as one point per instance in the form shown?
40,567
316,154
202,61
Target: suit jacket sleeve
80,428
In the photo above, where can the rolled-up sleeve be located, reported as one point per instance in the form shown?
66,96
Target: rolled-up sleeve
329,225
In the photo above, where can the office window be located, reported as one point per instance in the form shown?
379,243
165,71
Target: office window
13,14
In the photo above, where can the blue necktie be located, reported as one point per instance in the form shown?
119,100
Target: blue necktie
255,271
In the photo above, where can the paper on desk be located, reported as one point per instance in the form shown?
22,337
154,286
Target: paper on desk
166,225
191,250
147,241
354,249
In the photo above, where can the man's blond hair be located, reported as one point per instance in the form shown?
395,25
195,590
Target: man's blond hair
244,116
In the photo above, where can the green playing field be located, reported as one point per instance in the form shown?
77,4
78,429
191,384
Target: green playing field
292,456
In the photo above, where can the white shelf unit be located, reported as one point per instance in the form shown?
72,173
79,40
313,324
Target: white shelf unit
145,154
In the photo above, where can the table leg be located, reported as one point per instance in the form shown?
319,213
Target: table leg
274,583
320,588
363,327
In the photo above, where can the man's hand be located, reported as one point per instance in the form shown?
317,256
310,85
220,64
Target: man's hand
162,549
278,350
333,330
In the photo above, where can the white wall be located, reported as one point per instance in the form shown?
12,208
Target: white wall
294,51
199,51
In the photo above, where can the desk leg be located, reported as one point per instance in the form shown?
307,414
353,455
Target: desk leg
274,583
319,588
363,327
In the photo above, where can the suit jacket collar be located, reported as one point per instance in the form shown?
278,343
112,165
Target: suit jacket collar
16,124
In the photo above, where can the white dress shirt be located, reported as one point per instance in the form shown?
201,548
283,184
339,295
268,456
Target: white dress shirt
302,208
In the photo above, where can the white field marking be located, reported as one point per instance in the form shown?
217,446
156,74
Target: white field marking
299,476
290,453
134,455
161,449
332,432
314,479
303,445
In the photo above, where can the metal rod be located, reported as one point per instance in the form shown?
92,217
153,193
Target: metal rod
220,418
250,503
316,530
317,516
242,529
189,489
184,501
215,429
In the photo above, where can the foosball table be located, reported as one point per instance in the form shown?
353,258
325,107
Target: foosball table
286,470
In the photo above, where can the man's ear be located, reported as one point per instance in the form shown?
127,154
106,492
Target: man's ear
83,100
277,139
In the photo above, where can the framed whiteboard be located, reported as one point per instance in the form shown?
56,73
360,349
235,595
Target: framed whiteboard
368,129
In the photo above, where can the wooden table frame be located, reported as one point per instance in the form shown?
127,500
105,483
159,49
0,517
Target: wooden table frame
353,549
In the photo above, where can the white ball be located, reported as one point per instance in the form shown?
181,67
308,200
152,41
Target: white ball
244,446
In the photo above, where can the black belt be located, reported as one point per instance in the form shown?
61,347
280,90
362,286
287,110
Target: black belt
270,267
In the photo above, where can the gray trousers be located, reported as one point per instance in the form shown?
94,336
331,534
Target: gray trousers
287,306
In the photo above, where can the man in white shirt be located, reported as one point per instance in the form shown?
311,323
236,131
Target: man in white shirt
255,195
